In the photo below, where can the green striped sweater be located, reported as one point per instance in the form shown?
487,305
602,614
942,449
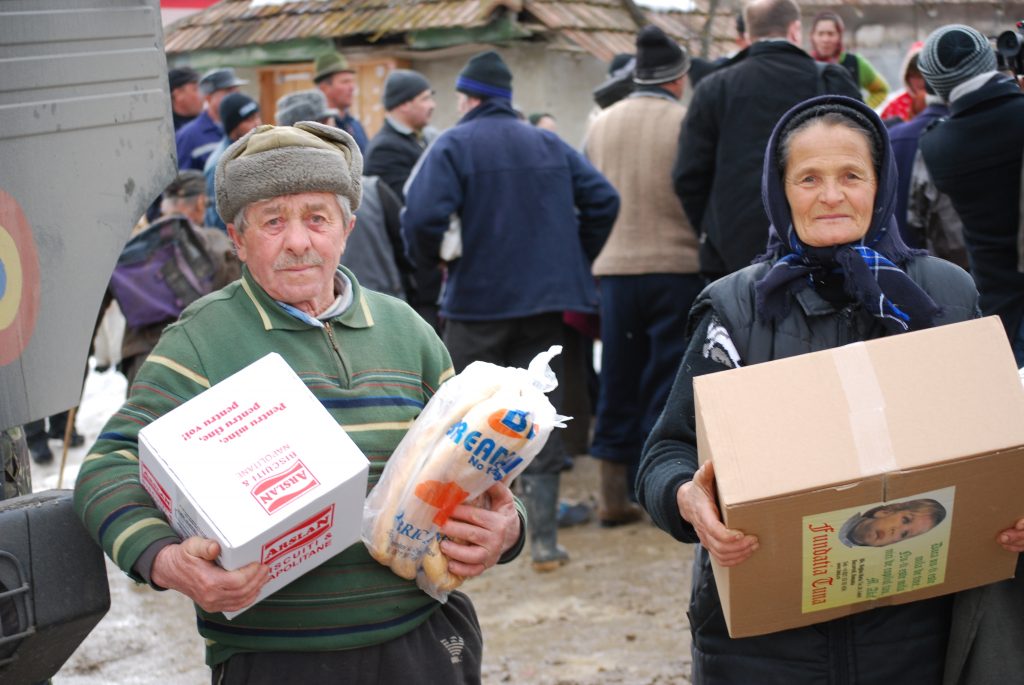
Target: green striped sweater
373,368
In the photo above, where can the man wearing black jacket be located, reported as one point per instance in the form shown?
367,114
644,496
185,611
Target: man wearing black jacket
717,174
393,152
974,156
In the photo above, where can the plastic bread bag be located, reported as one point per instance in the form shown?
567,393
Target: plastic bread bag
483,425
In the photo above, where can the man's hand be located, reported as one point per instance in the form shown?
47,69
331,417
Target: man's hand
696,502
1012,539
480,536
190,568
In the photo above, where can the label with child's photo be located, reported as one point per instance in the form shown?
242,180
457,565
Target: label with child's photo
875,550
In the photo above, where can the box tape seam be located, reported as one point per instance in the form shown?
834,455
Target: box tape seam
871,439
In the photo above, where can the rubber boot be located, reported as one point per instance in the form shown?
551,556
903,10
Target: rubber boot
540,495
613,505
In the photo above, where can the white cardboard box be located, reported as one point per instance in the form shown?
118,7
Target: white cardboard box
259,465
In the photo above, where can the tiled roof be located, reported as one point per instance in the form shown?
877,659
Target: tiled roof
601,27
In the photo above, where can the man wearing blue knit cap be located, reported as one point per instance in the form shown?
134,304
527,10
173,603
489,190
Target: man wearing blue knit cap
534,214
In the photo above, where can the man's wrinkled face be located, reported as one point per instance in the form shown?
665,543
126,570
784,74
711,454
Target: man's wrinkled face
339,89
292,245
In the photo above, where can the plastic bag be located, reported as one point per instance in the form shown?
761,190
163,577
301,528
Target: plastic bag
482,426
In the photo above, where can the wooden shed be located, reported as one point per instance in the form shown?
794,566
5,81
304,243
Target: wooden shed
557,49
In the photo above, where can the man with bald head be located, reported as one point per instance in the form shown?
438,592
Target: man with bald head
717,172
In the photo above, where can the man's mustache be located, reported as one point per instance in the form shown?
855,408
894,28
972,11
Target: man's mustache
287,260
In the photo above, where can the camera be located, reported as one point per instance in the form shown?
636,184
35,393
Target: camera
1009,46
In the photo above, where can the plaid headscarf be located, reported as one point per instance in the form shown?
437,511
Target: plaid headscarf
872,268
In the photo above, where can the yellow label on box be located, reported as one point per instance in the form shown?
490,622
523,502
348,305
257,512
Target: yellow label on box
875,550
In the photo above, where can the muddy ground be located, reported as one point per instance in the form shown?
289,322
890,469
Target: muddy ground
615,615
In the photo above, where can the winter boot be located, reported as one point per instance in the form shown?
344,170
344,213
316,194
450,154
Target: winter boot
540,494
38,443
58,426
613,505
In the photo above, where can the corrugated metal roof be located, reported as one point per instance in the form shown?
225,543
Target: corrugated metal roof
600,27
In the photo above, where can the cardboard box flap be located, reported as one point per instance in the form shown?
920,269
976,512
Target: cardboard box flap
912,399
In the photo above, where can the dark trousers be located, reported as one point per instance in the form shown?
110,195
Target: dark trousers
643,337
447,648
513,342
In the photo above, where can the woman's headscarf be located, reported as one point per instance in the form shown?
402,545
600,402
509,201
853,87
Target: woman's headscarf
871,268
840,28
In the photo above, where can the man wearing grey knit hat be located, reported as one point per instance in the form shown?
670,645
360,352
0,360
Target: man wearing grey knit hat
974,156
288,194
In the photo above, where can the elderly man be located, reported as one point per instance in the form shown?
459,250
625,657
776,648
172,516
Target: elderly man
291,193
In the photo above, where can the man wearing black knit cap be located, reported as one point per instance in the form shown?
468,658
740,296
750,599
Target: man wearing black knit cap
534,214
974,156
717,173
409,103
648,269
392,154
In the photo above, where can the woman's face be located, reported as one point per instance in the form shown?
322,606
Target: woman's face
825,38
830,185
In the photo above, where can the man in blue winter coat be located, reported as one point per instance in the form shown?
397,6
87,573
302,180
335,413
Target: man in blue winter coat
534,214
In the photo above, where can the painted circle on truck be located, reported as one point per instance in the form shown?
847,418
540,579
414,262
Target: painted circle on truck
19,280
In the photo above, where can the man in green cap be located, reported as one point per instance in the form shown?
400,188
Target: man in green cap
337,81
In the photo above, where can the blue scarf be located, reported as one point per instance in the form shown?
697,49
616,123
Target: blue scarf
872,269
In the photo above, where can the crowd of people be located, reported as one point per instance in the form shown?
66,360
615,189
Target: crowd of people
791,206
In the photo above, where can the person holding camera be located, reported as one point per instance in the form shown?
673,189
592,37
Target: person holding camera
975,156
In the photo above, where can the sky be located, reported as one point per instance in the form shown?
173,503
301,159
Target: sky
667,4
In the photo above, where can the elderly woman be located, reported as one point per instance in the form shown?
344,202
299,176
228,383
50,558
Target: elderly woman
835,272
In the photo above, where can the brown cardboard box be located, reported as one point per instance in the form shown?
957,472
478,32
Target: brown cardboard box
804,448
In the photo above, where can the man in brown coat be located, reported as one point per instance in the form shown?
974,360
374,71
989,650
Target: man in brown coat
648,269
